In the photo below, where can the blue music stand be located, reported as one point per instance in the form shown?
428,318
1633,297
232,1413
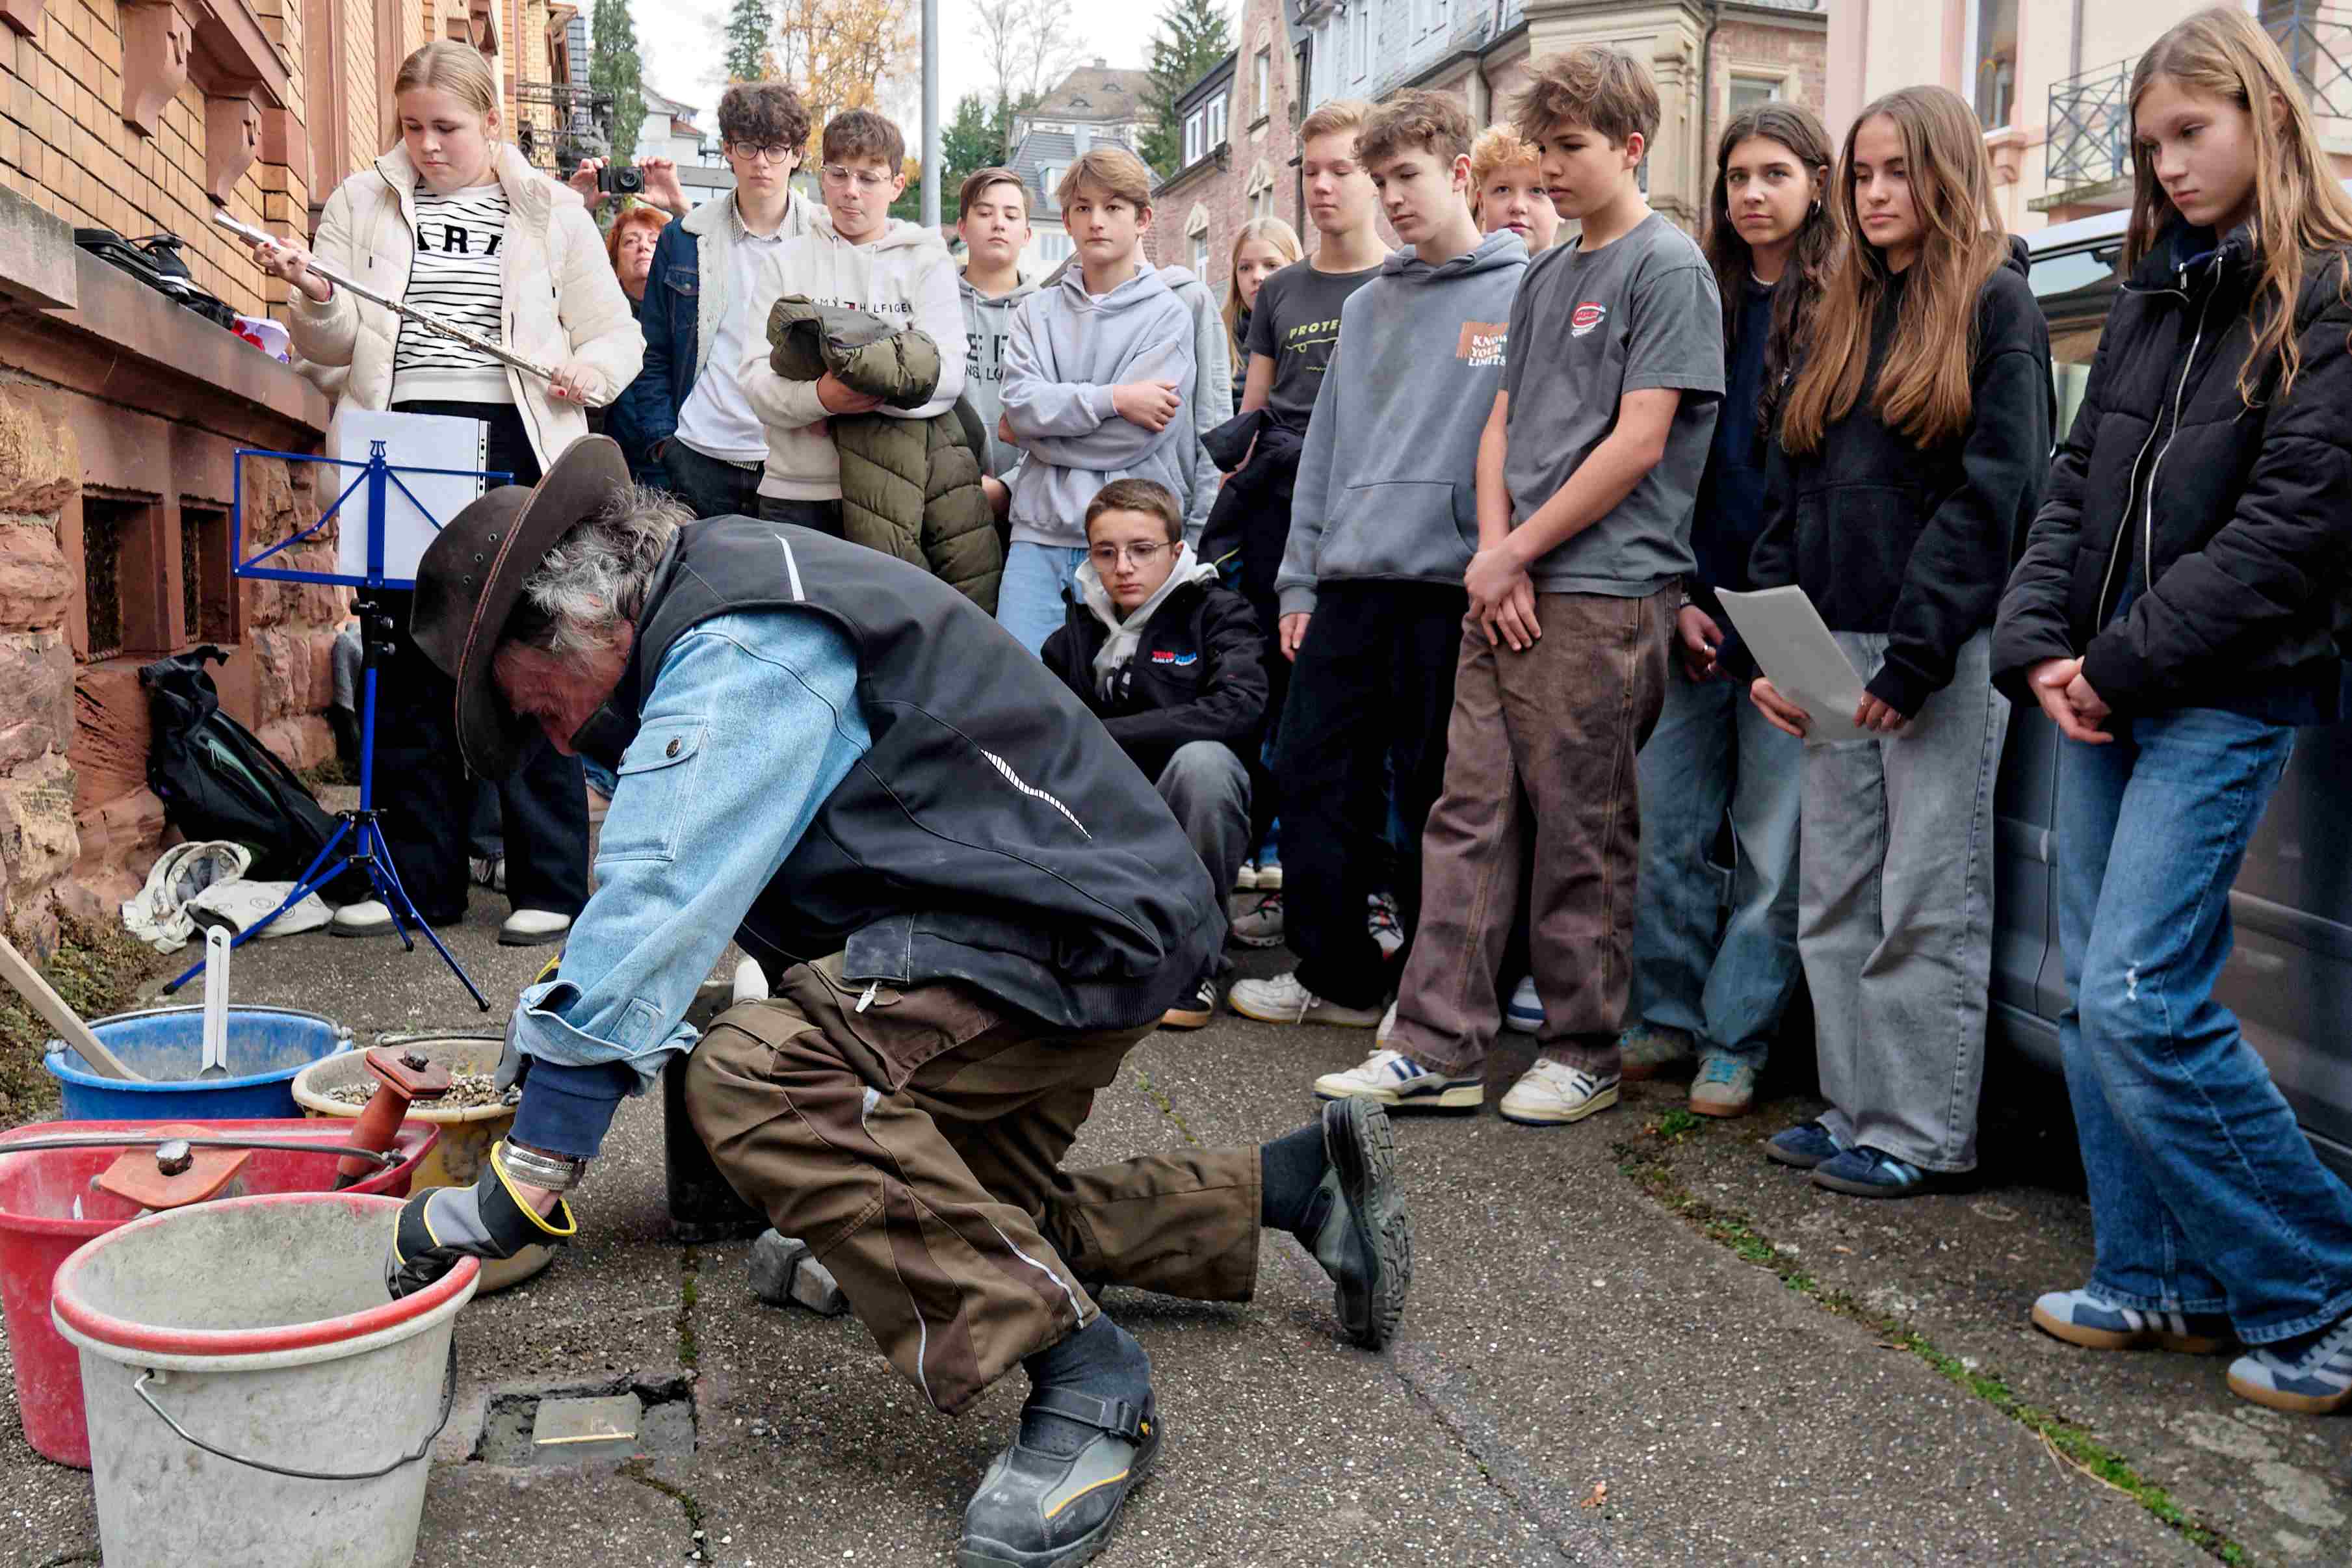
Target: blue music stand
376,478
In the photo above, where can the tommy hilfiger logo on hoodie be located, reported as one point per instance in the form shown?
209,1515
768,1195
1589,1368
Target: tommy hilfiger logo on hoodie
1481,344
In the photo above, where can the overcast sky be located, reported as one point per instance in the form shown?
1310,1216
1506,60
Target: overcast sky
680,44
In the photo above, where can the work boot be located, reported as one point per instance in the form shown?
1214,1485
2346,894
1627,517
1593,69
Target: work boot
1051,1499
1357,1226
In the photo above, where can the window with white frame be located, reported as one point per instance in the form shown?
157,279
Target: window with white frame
1216,123
1200,255
1750,91
1193,125
1360,17
1262,84
1049,181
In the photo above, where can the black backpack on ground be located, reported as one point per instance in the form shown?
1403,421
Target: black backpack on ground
218,781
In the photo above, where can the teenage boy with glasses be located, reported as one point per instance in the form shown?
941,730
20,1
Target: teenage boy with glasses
1167,659
852,253
700,428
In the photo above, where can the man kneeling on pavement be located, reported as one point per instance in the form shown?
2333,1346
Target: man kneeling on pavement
1171,663
971,907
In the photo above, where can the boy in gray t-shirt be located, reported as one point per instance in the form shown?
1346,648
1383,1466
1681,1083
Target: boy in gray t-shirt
1587,474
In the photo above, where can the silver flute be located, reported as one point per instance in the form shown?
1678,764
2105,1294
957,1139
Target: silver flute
253,236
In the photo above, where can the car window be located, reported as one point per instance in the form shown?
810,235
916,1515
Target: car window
2075,288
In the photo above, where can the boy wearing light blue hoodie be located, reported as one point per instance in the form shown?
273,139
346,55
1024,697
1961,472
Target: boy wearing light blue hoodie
1094,384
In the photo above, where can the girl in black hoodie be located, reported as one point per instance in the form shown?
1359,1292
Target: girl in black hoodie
2175,616
1911,451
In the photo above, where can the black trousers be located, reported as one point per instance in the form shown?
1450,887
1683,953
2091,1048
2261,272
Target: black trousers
824,516
1374,681
1265,796
427,798
711,486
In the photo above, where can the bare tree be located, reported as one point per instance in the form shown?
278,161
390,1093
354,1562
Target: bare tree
1029,45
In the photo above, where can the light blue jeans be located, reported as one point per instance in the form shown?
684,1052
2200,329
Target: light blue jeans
1725,981
1029,602
1894,914
2205,1195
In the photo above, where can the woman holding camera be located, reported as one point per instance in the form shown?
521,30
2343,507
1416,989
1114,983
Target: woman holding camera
456,223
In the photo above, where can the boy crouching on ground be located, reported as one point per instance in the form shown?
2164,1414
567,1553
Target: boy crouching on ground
1169,660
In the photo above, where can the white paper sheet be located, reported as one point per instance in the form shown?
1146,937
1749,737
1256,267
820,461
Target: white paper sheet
1798,654
410,441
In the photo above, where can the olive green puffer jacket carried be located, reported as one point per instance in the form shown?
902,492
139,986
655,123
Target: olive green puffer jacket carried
909,488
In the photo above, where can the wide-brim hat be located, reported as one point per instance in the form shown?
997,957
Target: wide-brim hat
470,580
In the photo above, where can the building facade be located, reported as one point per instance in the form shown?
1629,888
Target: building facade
1095,103
1241,138
2048,79
1710,58
119,411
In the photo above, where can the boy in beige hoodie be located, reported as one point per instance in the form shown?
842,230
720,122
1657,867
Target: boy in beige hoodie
855,255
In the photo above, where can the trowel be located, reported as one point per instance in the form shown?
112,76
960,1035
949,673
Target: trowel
216,1037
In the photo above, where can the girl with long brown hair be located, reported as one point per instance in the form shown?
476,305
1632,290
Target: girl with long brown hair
1912,451
1770,241
2175,616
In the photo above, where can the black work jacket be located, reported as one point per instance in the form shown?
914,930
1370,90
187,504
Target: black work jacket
992,835
2221,529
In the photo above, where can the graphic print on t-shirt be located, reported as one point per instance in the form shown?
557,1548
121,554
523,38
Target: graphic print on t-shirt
455,277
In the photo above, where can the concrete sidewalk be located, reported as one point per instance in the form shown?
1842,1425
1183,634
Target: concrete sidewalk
1631,1340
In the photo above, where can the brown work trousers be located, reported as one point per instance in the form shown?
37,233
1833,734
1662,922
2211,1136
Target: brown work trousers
1540,756
914,1140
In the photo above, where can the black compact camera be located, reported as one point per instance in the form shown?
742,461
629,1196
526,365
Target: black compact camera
620,179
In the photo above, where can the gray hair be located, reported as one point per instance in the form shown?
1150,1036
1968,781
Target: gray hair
596,575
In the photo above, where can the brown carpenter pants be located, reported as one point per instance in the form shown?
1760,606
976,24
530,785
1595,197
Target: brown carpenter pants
915,1141
1539,758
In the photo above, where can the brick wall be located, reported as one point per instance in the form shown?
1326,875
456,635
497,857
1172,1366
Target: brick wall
65,146
1747,48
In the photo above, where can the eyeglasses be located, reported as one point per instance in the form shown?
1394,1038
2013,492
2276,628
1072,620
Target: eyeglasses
838,176
767,151
1107,556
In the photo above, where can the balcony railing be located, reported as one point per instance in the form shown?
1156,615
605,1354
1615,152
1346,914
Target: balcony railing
2090,127
2090,115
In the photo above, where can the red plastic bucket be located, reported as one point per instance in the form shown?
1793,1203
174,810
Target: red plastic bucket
41,1225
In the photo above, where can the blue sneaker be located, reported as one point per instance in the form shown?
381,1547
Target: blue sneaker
1863,1172
2087,1318
1804,1146
2314,1381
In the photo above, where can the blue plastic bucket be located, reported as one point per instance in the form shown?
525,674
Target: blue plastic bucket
266,1047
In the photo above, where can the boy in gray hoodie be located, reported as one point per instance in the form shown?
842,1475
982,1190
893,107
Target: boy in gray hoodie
1095,381
1385,518
992,217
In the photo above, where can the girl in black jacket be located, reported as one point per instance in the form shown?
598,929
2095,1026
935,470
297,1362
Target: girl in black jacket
1911,450
2174,614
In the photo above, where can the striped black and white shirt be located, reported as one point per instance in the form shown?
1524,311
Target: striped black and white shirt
455,277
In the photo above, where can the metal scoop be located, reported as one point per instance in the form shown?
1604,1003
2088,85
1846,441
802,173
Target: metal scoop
215,1039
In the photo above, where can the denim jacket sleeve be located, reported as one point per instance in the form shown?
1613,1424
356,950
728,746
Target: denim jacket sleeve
752,722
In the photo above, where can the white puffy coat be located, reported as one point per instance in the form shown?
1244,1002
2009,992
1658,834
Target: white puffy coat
562,299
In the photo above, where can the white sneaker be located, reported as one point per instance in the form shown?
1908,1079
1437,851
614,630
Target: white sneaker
1381,920
1525,1012
1394,1079
533,928
1282,1000
1552,1094
369,917
1260,923
1245,878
